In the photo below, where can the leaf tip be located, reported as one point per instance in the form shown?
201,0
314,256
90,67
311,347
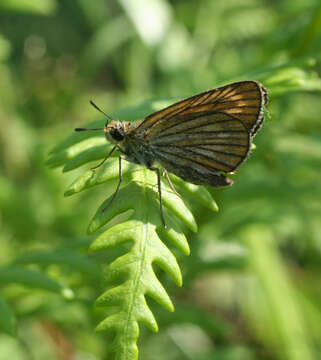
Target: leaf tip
193,226
66,168
69,192
214,206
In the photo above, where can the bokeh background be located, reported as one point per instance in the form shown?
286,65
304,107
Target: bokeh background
252,286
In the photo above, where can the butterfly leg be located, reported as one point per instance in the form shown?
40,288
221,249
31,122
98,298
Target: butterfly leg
118,186
171,185
95,167
160,194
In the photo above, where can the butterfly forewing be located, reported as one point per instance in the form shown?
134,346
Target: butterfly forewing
244,100
200,125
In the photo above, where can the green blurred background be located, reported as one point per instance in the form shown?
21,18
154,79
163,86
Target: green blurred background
252,286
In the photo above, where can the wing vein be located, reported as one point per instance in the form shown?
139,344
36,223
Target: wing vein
197,161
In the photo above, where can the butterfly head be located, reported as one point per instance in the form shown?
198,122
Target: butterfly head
114,131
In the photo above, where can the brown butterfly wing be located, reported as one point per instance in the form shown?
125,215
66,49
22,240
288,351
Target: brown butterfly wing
244,100
202,146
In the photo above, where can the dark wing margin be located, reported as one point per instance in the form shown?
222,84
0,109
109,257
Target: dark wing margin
244,100
203,144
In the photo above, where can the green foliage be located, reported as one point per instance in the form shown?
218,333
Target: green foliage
42,7
289,326
28,277
7,318
251,286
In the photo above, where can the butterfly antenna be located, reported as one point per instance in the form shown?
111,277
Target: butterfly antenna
100,110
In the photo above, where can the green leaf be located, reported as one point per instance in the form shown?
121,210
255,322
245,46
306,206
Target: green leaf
41,7
198,193
74,260
131,197
136,266
91,154
31,278
5,48
104,174
7,318
291,334
61,157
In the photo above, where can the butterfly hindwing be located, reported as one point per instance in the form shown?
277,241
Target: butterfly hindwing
208,144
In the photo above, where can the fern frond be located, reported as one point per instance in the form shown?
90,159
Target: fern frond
131,278
145,232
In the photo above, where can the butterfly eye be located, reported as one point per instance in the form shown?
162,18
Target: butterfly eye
117,134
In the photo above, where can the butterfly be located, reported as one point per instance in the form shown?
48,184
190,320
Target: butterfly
200,139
